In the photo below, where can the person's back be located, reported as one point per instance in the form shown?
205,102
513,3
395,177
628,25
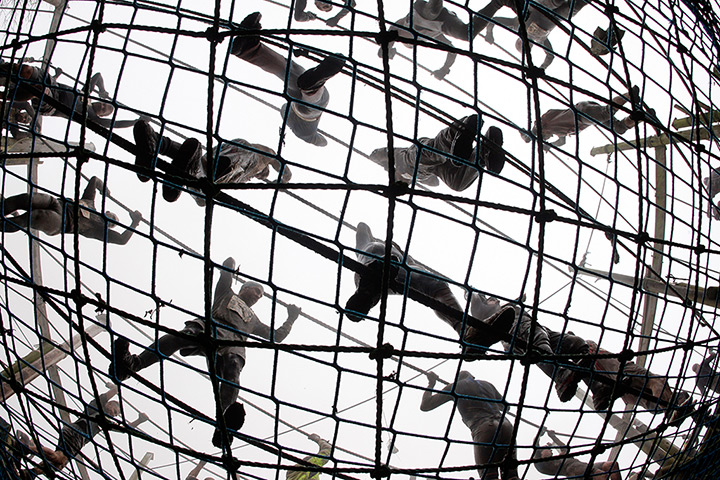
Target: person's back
477,400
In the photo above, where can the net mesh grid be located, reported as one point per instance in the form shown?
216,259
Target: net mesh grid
531,233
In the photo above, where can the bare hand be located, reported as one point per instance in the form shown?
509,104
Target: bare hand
332,22
315,437
432,378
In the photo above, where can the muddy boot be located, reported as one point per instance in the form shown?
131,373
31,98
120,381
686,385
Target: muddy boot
146,145
188,154
314,79
492,155
245,43
234,417
123,363
499,326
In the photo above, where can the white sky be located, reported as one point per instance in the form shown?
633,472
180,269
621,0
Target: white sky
308,387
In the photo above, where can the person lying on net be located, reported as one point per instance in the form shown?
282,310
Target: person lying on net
307,86
483,410
565,379
232,320
539,22
430,18
237,161
54,215
572,467
456,155
420,279
302,15
31,84
561,122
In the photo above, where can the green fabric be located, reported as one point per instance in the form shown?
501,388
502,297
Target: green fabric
318,460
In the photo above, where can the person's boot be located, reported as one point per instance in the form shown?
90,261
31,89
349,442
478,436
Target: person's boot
492,155
368,292
234,417
313,80
123,363
499,326
146,143
465,133
245,43
189,152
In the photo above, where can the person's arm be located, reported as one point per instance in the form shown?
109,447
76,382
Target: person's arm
430,400
278,166
94,185
196,471
281,333
97,81
223,286
123,238
549,57
108,122
105,397
300,14
449,60
333,21
324,448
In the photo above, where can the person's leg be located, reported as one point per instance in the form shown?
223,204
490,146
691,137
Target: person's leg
123,363
453,26
489,437
304,119
484,15
252,50
228,367
43,212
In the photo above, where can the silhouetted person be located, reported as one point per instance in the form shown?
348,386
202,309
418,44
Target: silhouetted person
237,161
482,409
435,162
707,378
56,215
233,320
302,15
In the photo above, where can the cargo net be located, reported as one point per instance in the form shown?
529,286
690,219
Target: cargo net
359,239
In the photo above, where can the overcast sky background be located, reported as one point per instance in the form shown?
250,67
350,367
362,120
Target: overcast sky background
334,394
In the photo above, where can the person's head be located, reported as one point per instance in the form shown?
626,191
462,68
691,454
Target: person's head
112,408
323,5
22,117
464,374
264,173
251,292
113,217
102,109
696,368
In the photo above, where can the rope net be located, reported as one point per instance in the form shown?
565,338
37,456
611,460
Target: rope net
462,163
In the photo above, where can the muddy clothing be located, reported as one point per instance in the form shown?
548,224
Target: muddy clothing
421,280
642,382
561,122
565,467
